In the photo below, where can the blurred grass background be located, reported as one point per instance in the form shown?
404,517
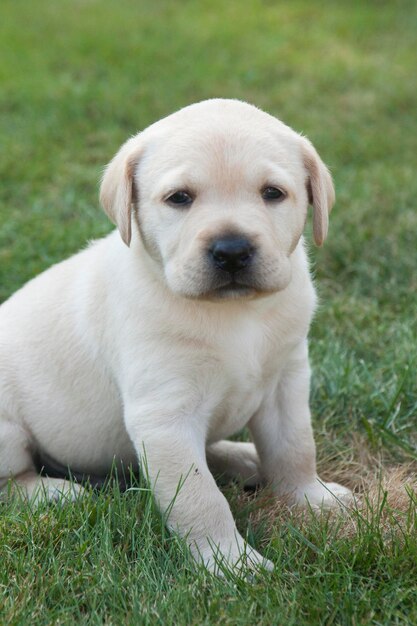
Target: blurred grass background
77,77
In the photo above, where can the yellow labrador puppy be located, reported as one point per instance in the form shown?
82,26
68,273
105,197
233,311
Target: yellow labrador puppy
175,333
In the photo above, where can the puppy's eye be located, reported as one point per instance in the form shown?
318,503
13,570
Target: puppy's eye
272,193
180,198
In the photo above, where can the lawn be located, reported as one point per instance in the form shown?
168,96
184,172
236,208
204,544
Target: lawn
77,78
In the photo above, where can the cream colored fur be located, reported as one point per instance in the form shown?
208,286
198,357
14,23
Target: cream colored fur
127,346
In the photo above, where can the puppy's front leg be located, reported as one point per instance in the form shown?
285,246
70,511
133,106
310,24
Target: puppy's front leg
173,456
284,439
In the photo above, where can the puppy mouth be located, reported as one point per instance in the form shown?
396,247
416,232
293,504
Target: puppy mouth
220,285
232,289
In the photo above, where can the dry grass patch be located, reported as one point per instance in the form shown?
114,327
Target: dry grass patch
385,499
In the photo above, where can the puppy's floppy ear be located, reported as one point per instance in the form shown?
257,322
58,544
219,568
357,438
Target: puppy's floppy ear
321,194
117,191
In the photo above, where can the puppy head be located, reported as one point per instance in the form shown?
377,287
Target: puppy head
220,191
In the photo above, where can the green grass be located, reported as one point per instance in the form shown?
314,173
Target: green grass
77,78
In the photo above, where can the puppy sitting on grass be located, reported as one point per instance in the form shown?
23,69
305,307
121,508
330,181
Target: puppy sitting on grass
175,333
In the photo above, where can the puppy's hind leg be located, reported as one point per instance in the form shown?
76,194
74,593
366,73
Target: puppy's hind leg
235,460
17,468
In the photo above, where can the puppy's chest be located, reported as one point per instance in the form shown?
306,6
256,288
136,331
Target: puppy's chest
249,368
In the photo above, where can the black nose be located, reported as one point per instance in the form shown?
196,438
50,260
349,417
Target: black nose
232,253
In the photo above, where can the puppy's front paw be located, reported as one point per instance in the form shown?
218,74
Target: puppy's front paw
320,495
236,556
